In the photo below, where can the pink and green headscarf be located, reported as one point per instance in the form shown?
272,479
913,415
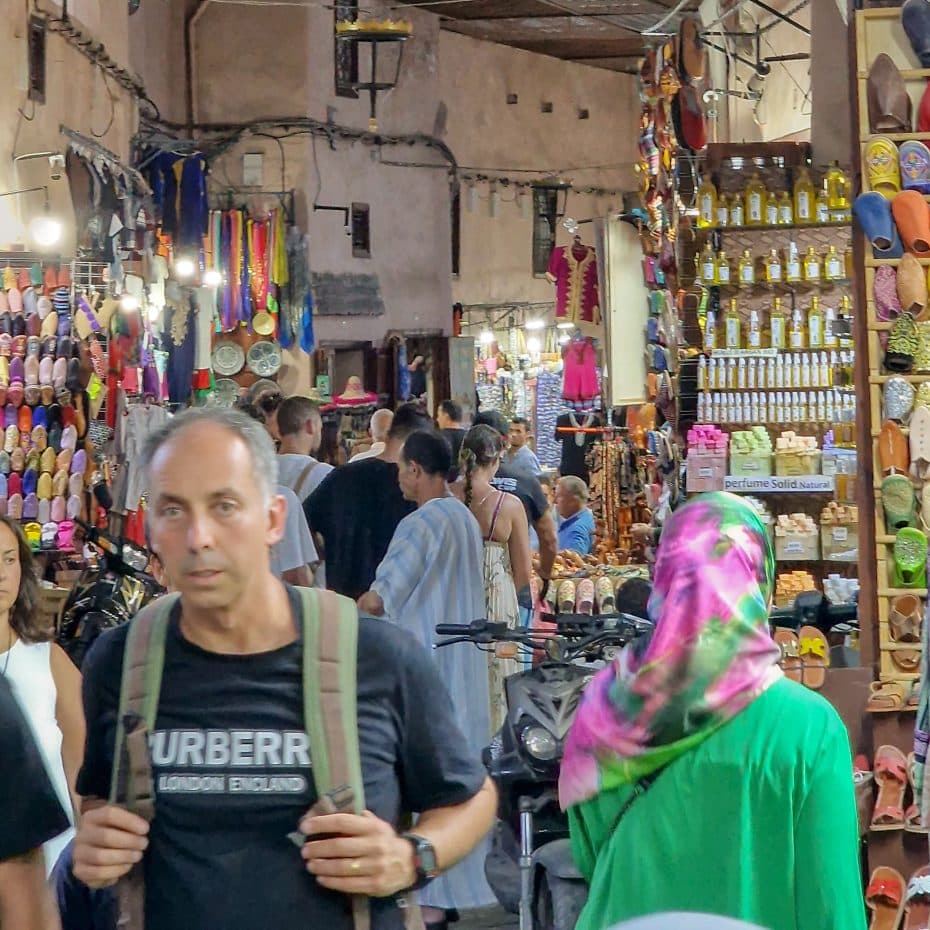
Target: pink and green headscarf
711,654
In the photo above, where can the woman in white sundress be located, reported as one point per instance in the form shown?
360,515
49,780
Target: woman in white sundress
507,559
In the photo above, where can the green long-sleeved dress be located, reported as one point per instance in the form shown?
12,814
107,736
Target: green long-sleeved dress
758,822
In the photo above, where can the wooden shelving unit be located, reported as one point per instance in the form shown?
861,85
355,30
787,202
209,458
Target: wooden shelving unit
879,30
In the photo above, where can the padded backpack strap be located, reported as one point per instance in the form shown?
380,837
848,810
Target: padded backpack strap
330,660
143,660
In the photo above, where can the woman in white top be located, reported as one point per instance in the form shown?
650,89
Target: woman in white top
43,678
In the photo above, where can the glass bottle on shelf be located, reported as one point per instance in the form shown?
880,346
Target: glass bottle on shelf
773,268
771,208
812,267
815,325
793,264
796,333
833,265
778,336
707,203
822,205
837,193
804,198
754,332
747,269
708,265
723,268
846,342
737,216
732,326
785,209
702,373
723,210
754,202
829,335
710,332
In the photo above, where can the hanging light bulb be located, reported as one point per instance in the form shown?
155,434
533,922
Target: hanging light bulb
533,345
564,339
45,231
486,337
535,324
565,325
154,313
212,278
129,303
184,267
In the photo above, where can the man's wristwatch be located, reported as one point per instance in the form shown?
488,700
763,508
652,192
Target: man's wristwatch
424,860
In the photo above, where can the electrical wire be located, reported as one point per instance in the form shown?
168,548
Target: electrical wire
654,29
109,126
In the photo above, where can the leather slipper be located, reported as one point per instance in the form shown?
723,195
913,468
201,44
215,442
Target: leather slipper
911,284
872,212
691,56
885,294
814,657
913,221
892,449
919,439
882,166
889,104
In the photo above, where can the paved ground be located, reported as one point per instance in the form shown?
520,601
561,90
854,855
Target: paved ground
486,918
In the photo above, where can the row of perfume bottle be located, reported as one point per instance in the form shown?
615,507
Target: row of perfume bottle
802,370
775,268
763,407
815,328
758,206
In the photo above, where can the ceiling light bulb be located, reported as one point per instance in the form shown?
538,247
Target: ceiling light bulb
535,324
565,325
129,303
533,345
565,340
212,278
486,337
184,268
154,313
45,230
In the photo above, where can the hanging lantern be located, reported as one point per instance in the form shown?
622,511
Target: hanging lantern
385,41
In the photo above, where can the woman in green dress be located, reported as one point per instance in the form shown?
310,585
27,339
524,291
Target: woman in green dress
697,778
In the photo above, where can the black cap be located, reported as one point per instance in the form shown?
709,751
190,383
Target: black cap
495,419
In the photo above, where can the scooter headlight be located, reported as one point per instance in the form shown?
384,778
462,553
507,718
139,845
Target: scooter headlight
540,743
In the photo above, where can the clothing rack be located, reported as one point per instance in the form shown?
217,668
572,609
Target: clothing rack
93,151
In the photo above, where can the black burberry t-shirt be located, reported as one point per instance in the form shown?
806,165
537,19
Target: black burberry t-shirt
232,773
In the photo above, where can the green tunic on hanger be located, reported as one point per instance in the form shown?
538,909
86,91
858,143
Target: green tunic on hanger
758,822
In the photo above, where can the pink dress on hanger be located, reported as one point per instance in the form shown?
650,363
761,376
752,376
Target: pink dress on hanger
580,378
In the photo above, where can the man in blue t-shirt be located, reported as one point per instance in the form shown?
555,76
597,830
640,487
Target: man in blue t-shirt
575,522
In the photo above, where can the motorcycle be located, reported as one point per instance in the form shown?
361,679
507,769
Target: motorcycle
530,866
107,595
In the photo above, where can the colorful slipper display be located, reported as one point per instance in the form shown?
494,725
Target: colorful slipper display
886,696
910,559
790,661
898,502
888,102
885,898
814,652
883,171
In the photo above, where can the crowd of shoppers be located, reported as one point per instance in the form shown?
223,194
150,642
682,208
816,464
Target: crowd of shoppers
432,523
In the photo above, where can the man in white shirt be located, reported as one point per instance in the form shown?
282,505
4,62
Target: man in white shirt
379,428
301,428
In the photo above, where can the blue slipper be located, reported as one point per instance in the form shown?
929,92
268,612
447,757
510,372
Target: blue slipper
915,18
873,213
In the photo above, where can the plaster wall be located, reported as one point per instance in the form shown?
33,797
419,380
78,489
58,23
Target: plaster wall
76,96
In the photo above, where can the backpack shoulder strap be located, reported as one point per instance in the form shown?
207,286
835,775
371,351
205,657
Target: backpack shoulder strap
143,660
330,660
302,477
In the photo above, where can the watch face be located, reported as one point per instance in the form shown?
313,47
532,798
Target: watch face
426,857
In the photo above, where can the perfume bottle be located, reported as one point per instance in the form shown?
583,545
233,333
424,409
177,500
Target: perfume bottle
778,333
815,325
710,332
732,328
723,269
785,209
822,205
723,211
812,267
793,264
796,334
771,209
736,211
773,268
707,203
804,199
754,201
754,334
747,270
708,266
833,269
838,189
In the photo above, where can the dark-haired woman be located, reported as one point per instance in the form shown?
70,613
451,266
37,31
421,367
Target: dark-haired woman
43,678
507,559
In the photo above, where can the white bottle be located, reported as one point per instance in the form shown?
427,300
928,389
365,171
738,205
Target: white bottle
780,408
829,321
702,374
805,371
714,408
780,372
751,381
770,373
771,407
702,408
731,411
793,264
796,371
821,407
754,408
741,374
731,373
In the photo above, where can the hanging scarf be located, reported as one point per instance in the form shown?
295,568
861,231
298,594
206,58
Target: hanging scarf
711,654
